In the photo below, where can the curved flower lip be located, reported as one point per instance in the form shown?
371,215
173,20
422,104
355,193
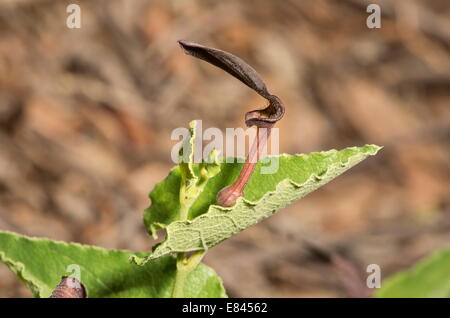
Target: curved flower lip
267,117
261,118
235,66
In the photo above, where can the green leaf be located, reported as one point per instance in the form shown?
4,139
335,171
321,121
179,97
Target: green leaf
429,278
40,263
209,224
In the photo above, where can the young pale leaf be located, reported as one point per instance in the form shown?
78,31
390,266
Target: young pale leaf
41,263
209,224
430,278
174,193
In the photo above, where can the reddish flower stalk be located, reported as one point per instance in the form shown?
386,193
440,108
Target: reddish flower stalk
227,196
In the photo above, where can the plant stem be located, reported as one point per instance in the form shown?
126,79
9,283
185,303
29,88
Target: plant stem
184,264
184,208
184,267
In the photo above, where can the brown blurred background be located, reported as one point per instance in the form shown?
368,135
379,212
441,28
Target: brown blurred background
86,116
